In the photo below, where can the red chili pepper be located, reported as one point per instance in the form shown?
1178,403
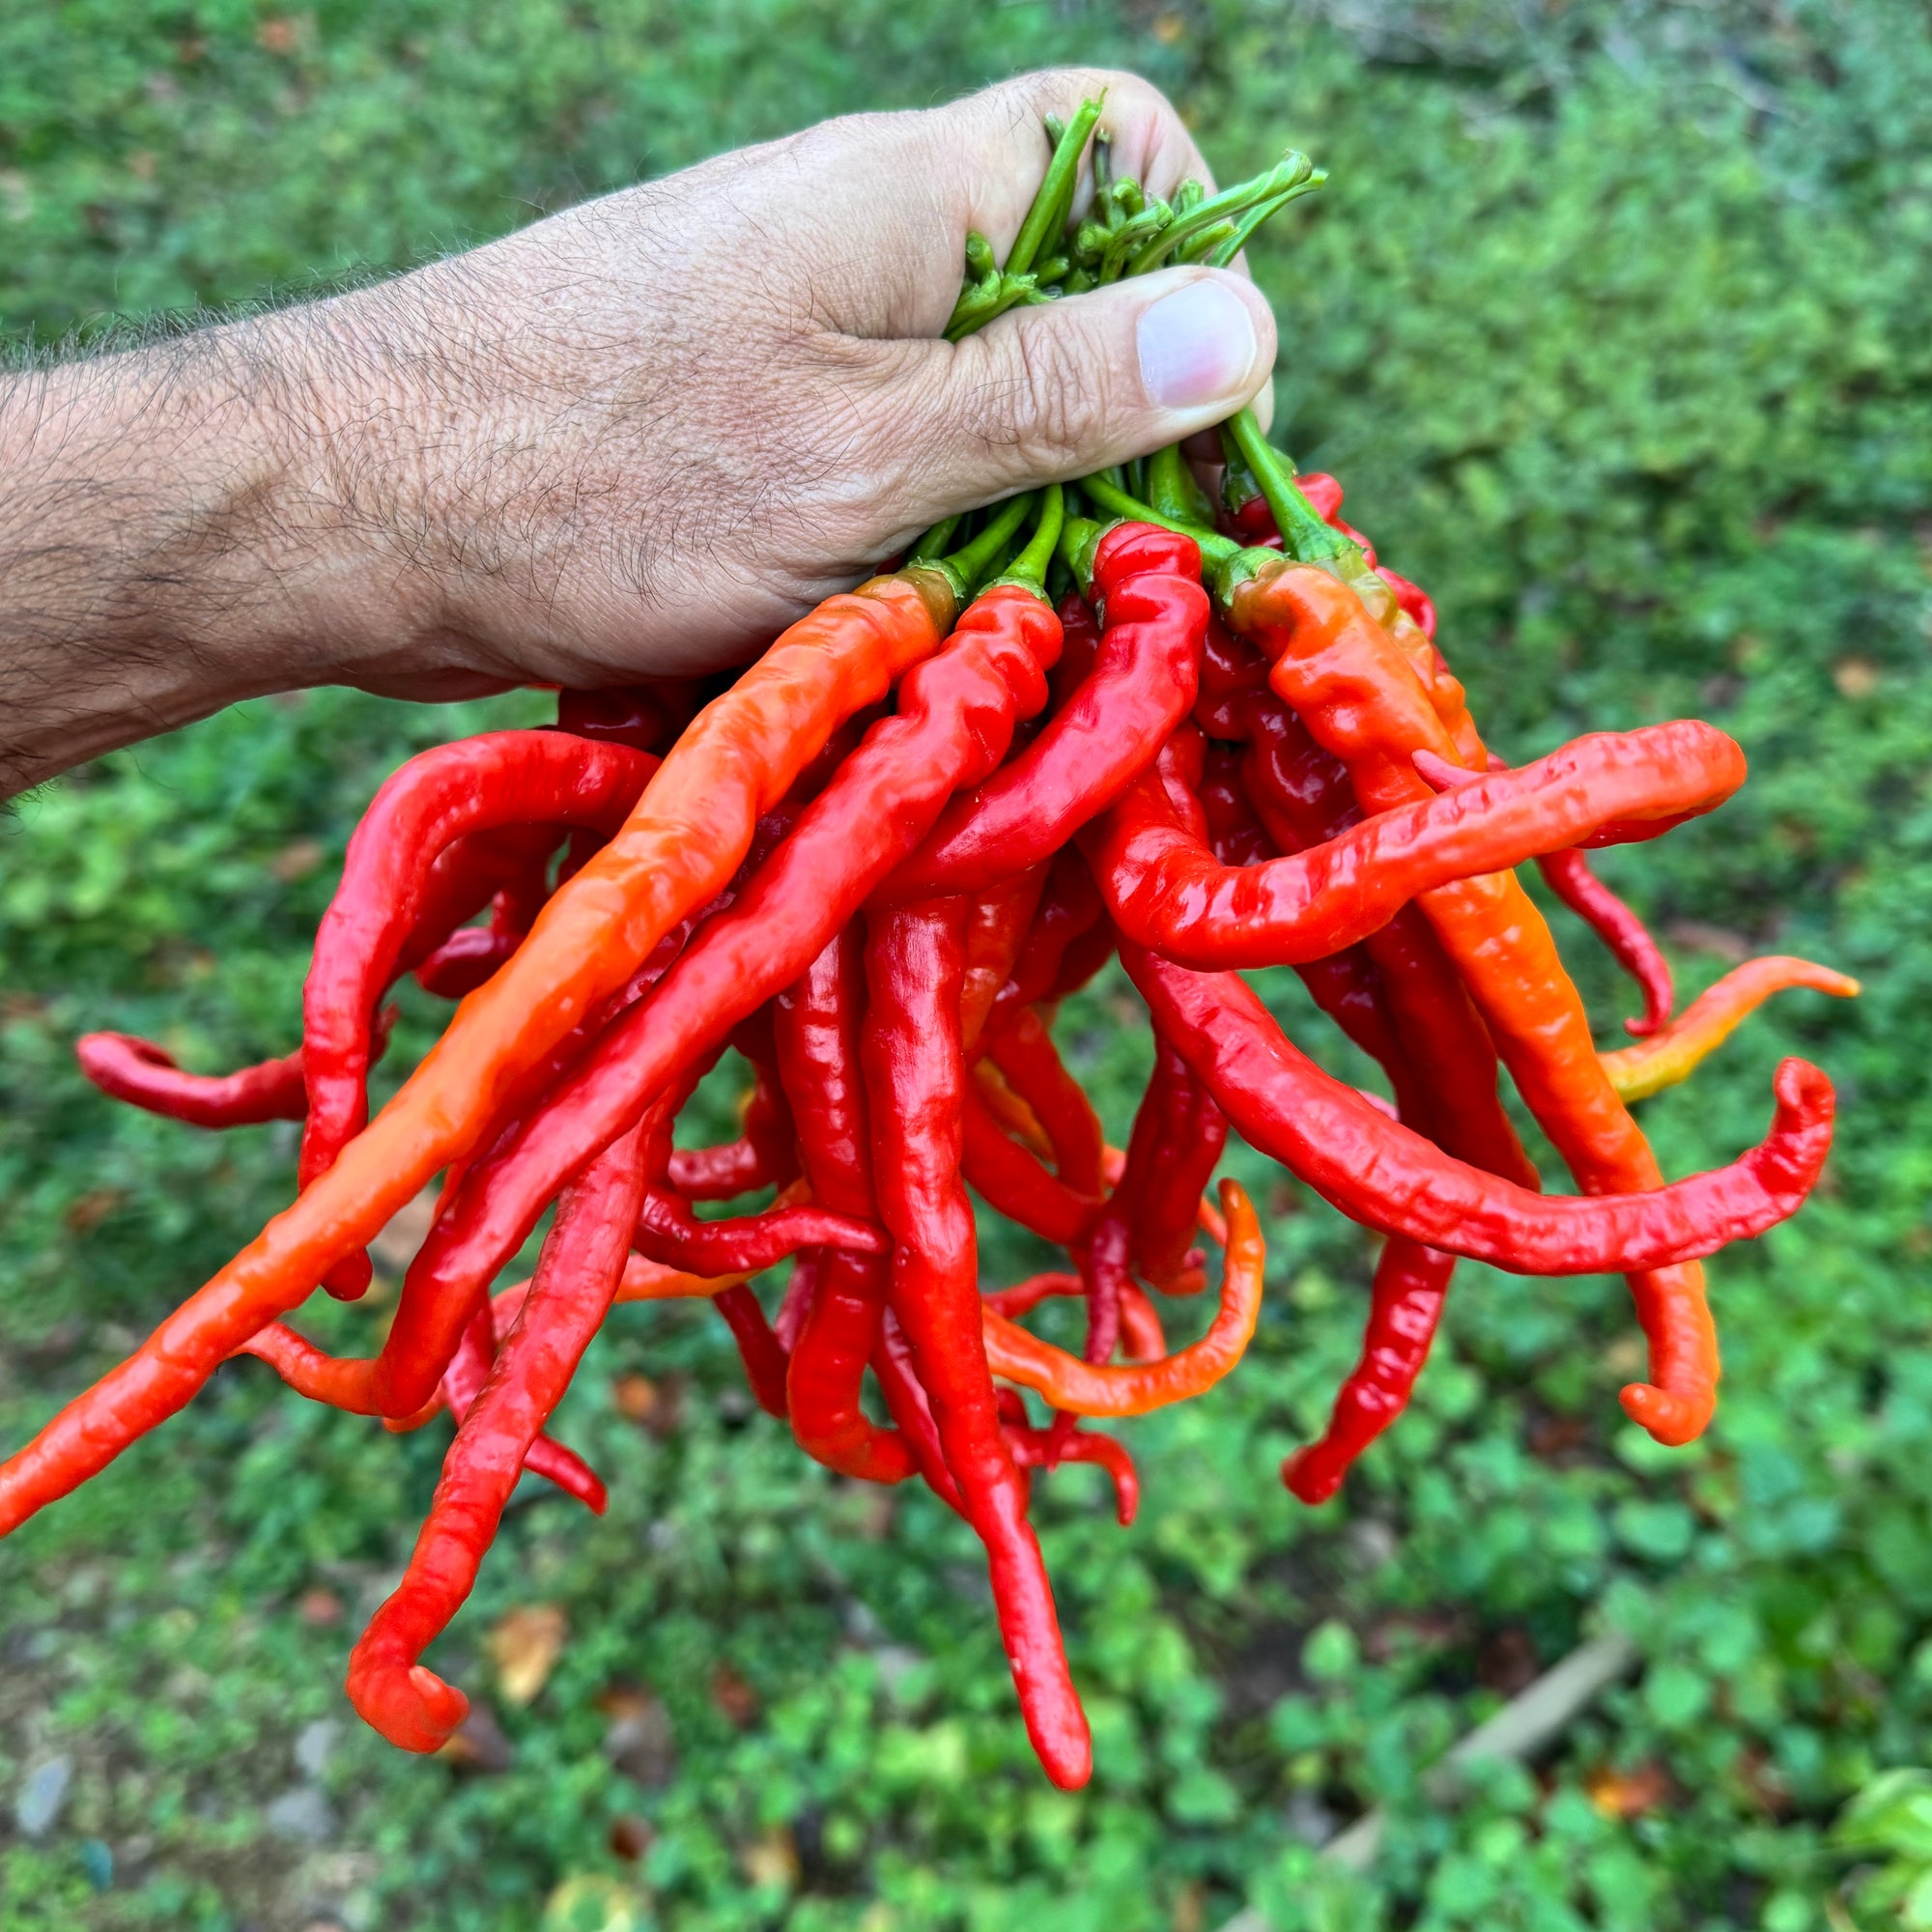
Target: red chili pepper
582,1265
501,780
915,1084
954,710
816,1030
1024,1052
145,1075
1069,908
1164,888
1569,877
1045,1449
1110,728
1381,1173
1012,1181
1410,1285
1187,1132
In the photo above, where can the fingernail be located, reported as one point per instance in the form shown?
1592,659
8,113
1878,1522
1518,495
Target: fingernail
1197,346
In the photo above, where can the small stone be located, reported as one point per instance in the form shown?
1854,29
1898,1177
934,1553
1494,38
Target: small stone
315,1745
42,1794
303,1815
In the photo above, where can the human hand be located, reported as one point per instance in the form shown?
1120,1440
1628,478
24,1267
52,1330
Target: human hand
635,437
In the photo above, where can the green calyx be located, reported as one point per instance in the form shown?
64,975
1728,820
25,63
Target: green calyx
1079,539
1028,570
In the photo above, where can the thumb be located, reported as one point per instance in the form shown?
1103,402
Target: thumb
1052,392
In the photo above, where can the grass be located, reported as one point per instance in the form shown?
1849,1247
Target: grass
1611,320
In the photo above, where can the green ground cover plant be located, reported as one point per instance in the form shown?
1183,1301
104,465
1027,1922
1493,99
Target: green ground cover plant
1613,322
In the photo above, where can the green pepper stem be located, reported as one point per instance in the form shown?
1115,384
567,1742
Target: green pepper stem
1110,496
932,547
1225,252
1304,536
1287,173
978,558
1029,568
1172,489
1047,215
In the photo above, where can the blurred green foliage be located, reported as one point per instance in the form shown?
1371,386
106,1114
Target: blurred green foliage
1613,322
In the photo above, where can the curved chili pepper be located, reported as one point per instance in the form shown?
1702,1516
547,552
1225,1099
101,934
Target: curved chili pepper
1164,1202
1348,678
912,1413
642,716
1165,890
1069,908
1007,1107
996,933
1083,958
126,1067
1108,730
1383,1175
1410,1285
545,1457
815,1031
1012,1181
1090,1388
680,845
1024,1052
1042,1449
765,1364
1080,635
501,781
1145,1341
582,1265
954,711
1569,876
914,1082
1672,1055
1303,797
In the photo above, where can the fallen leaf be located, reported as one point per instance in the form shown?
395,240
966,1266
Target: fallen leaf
1552,1436
593,1903
631,1836
319,1606
87,1212
638,1742
524,1646
1854,678
478,1743
733,1696
298,858
278,35
1629,1794
636,1398
771,1859
1507,1660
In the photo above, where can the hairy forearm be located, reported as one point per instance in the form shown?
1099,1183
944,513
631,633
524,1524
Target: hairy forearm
168,542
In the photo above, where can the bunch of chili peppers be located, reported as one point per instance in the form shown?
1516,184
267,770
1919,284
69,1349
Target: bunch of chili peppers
872,864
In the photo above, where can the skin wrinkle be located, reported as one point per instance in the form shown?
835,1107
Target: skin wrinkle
641,435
